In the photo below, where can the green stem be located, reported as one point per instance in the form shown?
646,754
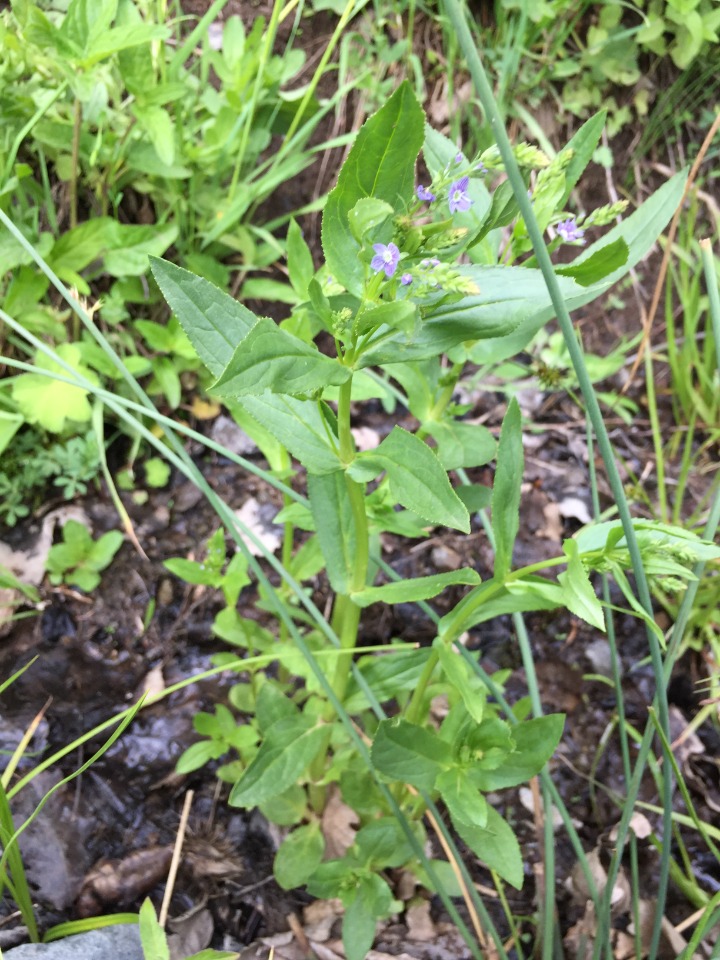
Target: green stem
72,186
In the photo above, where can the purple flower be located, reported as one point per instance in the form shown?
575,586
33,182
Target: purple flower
405,279
568,230
459,157
386,258
424,193
480,168
458,199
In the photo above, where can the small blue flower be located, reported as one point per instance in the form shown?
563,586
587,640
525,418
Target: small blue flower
405,279
386,258
481,168
424,193
569,231
459,157
458,199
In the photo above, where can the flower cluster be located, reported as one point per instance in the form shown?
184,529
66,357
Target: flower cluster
569,231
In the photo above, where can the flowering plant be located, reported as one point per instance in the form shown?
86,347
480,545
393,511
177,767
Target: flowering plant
418,282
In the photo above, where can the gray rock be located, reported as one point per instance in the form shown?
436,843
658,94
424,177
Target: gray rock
119,942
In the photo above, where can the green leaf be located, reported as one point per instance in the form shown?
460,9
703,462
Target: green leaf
439,153
535,742
158,126
417,588
301,426
416,477
411,754
475,496
86,21
461,444
640,231
335,526
496,845
368,901
299,856
287,809
578,592
152,936
381,164
51,403
214,322
382,843
582,144
269,358
10,423
367,215
289,747
387,676
273,705
301,268
487,601
602,263
400,315
506,490
464,802
503,210
458,674
508,297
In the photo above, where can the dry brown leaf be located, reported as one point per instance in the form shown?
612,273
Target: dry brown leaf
319,917
339,825
419,923
190,933
120,882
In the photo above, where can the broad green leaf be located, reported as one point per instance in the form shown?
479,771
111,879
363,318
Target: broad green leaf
416,477
381,164
417,588
640,231
579,594
457,672
496,845
214,322
289,747
506,490
52,403
461,444
387,676
269,358
158,126
301,268
299,856
535,742
10,423
78,247
508,297
382,843
335,526
300,426
87,20
287,809
122,38
602,263
367,215
409,753
400,315
503,210
475,496
272,705
365,902
465,803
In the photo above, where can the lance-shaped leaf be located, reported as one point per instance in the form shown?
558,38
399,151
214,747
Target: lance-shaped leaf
214,322
302,426
409,753
335,525
381,164
461,444
270,358
506,490
289,747
417,480
465,803
496,845
579,594
418,588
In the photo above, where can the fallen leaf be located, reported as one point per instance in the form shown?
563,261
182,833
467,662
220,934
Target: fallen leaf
319,917
339,825
258,518
419,923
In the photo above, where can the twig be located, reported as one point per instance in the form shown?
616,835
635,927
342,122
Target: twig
175,862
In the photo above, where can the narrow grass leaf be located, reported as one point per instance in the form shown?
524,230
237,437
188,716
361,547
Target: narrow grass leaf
416,588
506,489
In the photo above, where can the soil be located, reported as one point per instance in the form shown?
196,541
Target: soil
103,841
